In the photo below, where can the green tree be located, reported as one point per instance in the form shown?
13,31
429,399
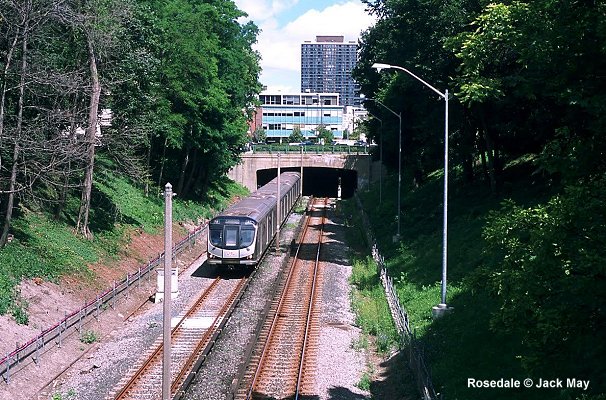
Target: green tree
296,136
259,135
324,135
208,75
549,279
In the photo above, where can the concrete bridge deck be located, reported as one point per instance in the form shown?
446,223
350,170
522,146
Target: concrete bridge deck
246,173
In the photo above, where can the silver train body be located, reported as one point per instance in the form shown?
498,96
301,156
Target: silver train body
241,234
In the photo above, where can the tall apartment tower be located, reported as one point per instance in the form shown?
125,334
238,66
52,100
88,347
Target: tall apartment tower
326,66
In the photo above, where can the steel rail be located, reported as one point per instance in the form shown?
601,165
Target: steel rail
206,339
157,352
311,305
274,323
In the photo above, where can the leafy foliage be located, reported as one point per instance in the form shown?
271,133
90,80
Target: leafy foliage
325,135
296,136
550,279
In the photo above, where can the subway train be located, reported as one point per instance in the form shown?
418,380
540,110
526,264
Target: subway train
241,234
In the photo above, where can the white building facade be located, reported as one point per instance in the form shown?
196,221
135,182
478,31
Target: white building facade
281,113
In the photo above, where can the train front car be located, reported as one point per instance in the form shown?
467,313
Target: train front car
242,233
231,240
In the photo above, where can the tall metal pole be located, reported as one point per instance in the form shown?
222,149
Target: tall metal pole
399,171
301,191
399,115
380,156
278,209
445,227
442,307
168,244
381,162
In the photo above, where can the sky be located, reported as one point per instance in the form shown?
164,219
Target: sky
285,24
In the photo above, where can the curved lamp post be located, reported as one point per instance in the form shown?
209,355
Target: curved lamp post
399,115
380,156
440,308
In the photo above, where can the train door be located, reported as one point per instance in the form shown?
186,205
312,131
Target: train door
231,235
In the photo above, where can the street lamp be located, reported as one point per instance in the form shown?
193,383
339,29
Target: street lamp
380,156
399,115
440,308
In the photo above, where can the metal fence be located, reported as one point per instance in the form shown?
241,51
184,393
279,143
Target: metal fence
416,358
74,321
309,149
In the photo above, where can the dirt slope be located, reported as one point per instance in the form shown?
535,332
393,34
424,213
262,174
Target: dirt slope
47,303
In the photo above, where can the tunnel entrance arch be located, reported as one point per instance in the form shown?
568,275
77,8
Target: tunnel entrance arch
318,181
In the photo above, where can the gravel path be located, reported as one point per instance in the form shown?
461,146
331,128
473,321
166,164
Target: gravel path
340,366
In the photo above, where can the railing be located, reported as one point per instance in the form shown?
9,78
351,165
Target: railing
416,358
309,148
54,334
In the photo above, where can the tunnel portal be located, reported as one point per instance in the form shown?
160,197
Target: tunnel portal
318,181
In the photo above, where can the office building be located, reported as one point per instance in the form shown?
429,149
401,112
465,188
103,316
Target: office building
281,113
326,66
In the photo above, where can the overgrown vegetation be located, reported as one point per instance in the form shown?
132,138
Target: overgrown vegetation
89,337
368,298
527,229
524,279
162,89
47,248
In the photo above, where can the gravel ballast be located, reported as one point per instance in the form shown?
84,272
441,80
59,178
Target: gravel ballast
339,366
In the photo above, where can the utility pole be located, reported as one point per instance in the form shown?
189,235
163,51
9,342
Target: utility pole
168,245
278,209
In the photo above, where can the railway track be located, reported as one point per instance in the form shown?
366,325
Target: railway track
283,360
191,337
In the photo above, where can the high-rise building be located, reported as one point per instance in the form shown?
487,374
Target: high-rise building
326,66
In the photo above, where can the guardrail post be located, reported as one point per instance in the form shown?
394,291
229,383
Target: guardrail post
7,376
61,325
126,290
114,296
37,353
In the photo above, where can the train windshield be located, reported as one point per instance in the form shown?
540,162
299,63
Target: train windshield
247,236
232,233
216,236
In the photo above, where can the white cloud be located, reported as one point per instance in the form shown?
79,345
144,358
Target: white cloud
261,10
280,45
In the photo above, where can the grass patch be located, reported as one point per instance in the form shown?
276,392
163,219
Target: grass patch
368,299
365,381
89,337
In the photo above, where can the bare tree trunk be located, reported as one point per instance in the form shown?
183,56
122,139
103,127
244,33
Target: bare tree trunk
192,174
162,163
148,165
11,196
9,57
83,222
492,162
16,150
183,170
